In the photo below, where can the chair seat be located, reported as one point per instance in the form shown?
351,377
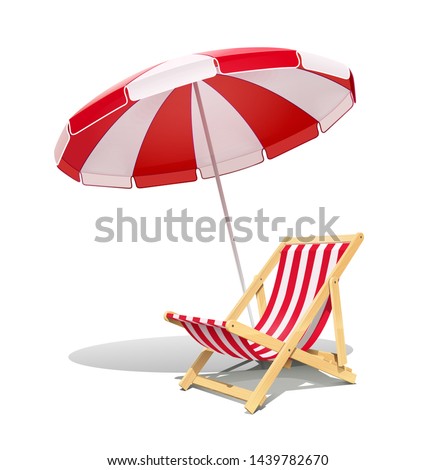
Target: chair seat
212,334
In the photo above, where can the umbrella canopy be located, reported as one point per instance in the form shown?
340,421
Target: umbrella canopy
216,112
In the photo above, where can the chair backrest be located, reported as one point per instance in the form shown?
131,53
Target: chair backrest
302,271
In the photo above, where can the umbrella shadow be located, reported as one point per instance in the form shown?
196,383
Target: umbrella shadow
174,354
165,354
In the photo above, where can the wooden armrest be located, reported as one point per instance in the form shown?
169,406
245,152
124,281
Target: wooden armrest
254,335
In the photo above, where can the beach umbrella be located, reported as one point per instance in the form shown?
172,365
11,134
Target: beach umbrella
205,114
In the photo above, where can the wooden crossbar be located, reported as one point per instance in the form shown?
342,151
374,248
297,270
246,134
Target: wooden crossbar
224,388
321,364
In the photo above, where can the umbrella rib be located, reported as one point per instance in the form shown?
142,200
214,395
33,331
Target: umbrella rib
221,193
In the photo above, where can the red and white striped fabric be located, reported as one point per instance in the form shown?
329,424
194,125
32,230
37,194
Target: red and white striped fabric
150,127
302,271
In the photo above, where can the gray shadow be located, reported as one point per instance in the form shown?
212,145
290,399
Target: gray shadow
174,354
298,377
166,354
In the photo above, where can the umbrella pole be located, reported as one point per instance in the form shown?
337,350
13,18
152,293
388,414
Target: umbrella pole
222,198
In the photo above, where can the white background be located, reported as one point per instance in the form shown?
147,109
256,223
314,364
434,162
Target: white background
62,292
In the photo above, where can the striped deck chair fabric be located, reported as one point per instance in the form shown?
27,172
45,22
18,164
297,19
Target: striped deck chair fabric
304,270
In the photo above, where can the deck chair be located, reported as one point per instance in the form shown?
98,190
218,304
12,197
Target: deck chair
305,292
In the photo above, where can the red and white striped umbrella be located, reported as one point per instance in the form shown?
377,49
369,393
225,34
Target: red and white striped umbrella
216,112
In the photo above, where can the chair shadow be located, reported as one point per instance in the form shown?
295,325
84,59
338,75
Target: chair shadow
298,377
174,354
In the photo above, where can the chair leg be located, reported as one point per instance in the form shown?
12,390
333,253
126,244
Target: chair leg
337,321
195,369
320,361
257,397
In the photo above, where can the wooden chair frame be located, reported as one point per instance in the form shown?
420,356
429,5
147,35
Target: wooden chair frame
333,364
